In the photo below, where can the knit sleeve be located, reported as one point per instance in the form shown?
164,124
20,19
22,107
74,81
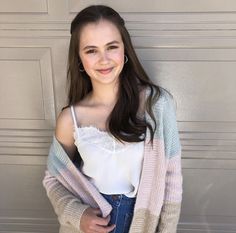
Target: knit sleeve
68,208
173,179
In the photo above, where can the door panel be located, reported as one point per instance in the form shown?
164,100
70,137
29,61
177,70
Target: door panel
188,48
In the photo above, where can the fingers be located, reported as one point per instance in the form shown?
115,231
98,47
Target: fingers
102,229
102,221
92,222
98,219
97,211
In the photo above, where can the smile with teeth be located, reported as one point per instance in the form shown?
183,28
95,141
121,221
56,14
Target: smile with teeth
105,71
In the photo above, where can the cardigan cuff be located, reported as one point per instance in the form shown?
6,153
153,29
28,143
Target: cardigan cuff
73,213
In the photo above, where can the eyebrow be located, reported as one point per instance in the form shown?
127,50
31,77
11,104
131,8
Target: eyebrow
93,47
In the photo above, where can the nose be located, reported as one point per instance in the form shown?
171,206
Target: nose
104,57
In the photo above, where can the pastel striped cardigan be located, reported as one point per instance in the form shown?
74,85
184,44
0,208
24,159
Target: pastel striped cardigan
159,194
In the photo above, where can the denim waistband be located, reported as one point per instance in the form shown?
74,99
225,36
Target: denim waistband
121,198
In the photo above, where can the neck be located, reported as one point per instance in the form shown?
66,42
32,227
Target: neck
104,95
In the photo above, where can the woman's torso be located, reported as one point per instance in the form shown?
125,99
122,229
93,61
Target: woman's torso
112,166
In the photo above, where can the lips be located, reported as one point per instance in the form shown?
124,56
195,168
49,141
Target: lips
105,71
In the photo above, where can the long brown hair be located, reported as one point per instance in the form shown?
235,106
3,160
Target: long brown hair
123,122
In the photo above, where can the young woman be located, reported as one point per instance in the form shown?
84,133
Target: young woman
127,174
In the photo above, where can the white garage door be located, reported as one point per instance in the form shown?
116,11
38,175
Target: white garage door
186,46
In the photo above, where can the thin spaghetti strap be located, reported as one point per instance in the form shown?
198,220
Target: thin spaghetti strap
73,116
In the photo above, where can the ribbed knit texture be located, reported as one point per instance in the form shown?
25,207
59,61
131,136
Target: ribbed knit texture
159,194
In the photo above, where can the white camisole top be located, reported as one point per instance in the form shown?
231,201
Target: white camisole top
113,167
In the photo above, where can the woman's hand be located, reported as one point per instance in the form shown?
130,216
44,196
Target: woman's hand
90,222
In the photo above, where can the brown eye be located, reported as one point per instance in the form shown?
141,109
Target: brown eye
112,47
90,51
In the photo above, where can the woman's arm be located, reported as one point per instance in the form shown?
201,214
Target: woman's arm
68,207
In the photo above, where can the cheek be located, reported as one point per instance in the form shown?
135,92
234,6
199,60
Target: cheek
119,57
87,63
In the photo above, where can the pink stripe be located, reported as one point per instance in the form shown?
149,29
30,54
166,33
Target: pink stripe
84,189
173,192
151,191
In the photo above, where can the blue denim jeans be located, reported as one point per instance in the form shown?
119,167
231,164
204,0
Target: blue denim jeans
122,211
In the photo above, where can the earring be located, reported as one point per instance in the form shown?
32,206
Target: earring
81,69
126,59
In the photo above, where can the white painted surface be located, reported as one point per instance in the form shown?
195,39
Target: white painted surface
188,48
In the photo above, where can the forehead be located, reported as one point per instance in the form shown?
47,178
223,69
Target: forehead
99,33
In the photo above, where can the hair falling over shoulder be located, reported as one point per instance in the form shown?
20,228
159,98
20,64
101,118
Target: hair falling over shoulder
123,122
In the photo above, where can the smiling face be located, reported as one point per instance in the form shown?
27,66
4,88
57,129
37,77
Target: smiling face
101,51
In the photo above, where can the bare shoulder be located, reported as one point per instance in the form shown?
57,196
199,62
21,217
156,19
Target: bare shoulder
64,122
64,131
